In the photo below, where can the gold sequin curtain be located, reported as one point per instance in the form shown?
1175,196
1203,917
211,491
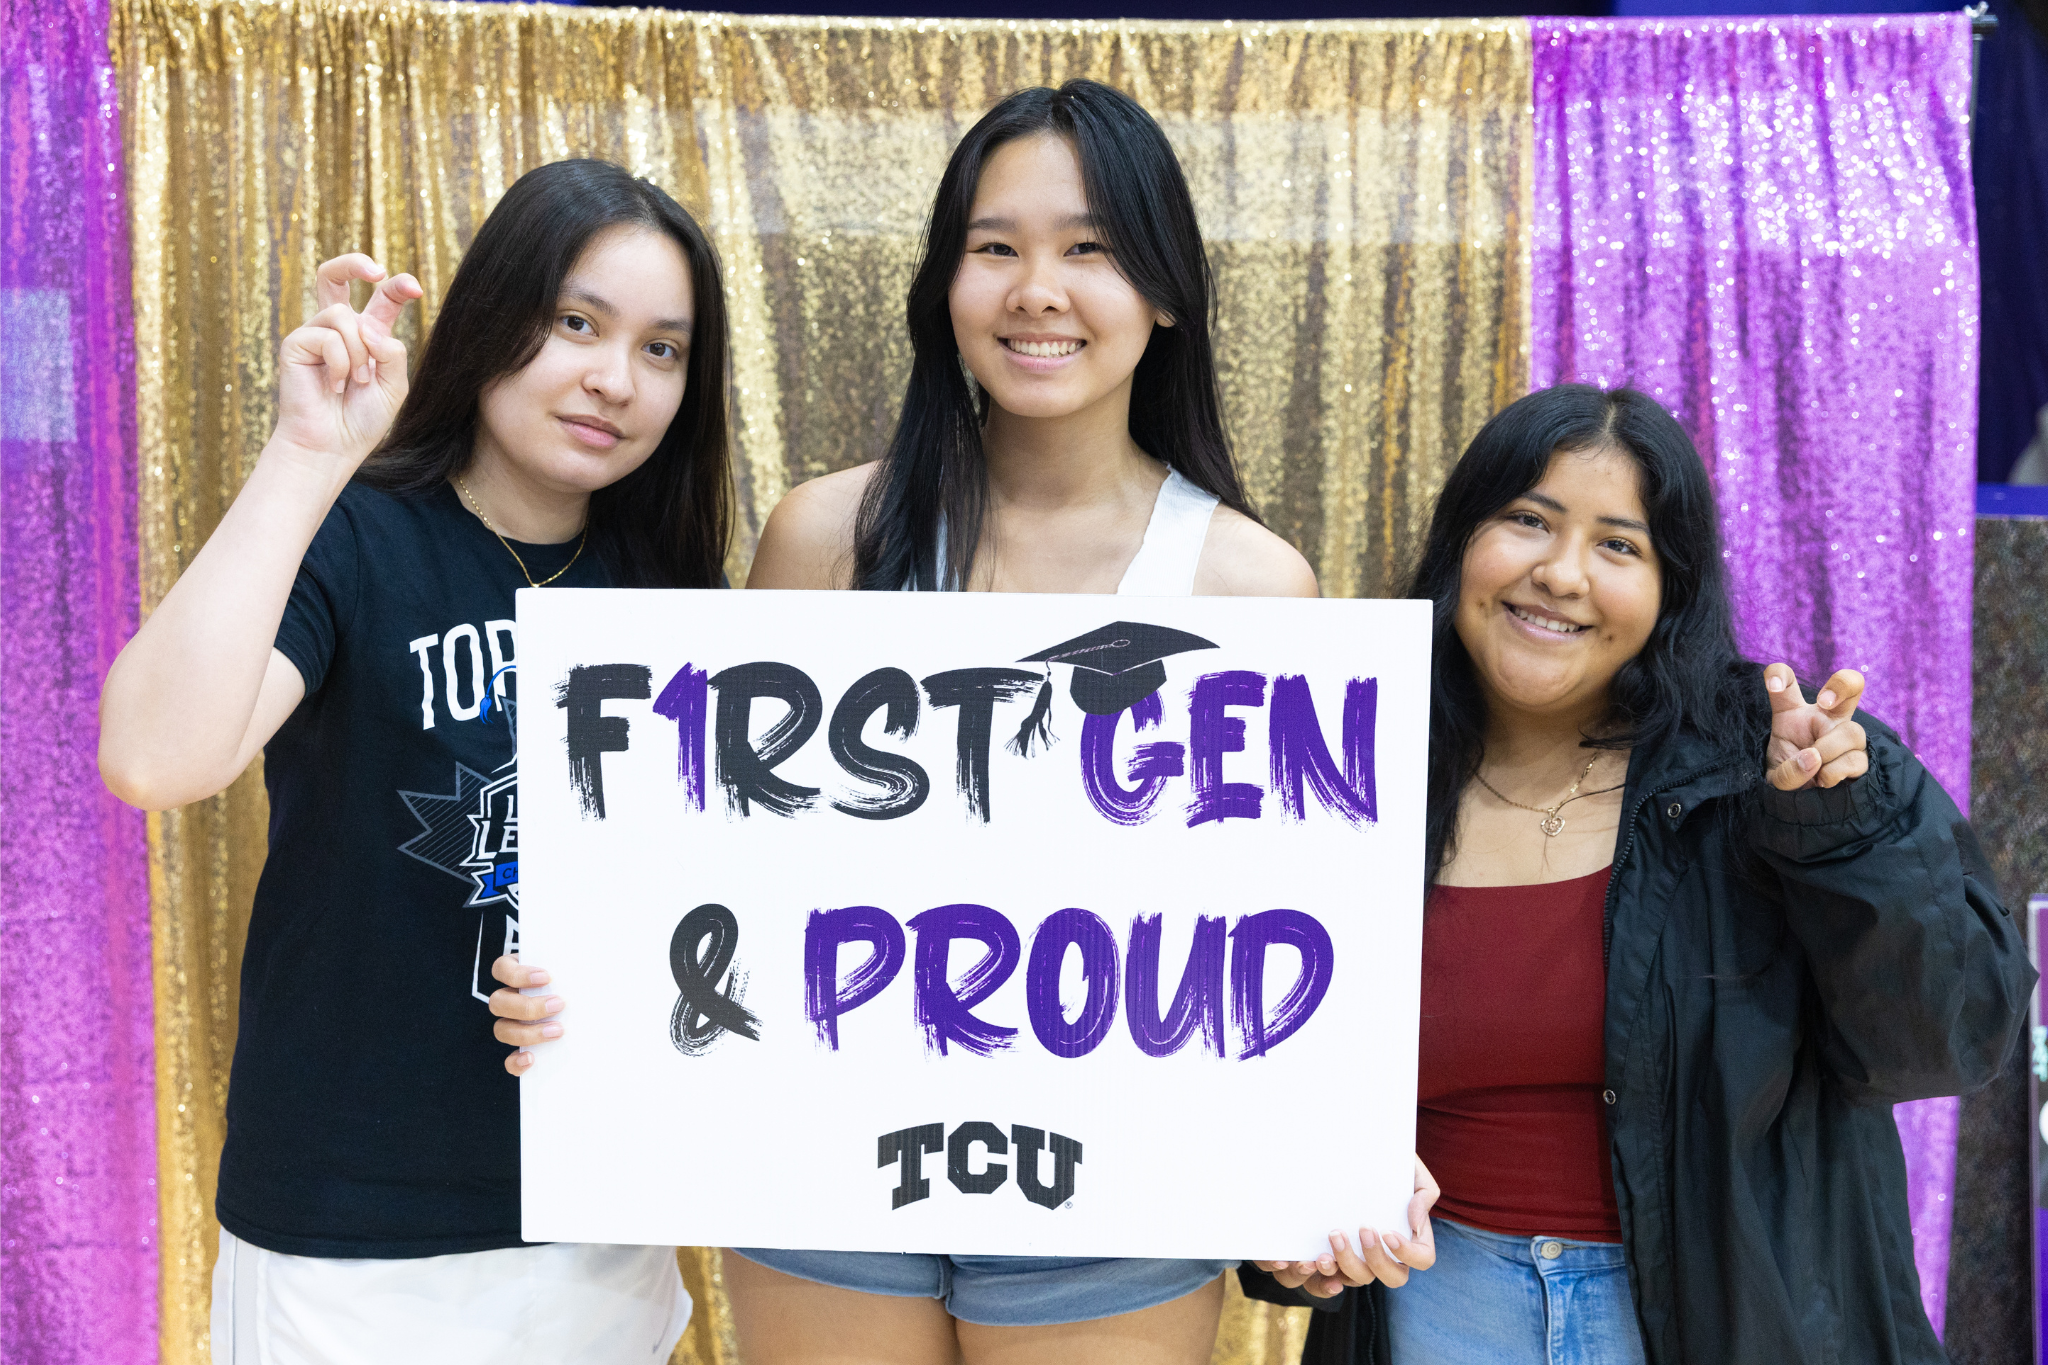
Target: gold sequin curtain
1364,189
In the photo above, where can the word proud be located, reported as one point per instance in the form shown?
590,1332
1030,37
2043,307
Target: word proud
945,1008
887,783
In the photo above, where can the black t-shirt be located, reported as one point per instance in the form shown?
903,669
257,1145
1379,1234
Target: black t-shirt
369,1113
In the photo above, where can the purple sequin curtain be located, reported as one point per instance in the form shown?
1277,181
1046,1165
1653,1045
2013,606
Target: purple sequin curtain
1767,225
78,1267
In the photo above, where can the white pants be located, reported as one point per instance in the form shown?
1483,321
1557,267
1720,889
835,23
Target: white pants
562,1304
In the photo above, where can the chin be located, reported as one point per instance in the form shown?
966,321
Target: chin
1040,410
1032,400
588,471
1534,691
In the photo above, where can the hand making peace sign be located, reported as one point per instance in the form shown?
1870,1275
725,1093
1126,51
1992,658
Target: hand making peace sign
342,374
1816,742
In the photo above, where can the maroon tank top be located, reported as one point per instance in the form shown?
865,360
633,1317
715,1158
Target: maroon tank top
1510,1118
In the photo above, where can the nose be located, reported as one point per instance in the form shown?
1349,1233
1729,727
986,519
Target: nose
1041,290
1562,572
610,375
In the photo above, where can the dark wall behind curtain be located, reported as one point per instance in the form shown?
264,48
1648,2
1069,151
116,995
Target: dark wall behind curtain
1990,1278
2010,156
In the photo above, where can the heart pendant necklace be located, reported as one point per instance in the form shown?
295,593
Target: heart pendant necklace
1552,823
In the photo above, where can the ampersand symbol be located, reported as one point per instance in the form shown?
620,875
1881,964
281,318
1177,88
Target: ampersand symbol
698,956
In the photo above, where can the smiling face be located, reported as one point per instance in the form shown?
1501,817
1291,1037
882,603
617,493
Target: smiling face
1561,588
1041,315
595,401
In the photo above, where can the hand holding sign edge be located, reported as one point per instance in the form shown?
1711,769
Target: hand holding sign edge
523,1021
1388,1257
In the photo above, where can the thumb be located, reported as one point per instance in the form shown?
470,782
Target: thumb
1783,687
1418,1211
386,303
389,353
1841,693
1796,771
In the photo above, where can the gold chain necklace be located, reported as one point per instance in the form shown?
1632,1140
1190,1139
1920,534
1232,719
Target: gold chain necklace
523,570
1552,823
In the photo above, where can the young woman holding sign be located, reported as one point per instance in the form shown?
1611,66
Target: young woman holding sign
1065,271
1690,936
352,619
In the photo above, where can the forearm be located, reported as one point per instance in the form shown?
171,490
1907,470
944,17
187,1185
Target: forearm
1921,973
176,711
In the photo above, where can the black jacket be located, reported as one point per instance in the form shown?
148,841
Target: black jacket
1782,968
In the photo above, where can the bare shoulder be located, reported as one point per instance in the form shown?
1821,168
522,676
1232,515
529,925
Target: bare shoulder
808,541
1243,559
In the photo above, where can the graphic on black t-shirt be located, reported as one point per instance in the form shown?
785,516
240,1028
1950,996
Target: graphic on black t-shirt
394,830
472,835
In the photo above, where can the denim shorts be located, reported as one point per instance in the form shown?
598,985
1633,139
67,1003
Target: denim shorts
1002,1291
1493,1299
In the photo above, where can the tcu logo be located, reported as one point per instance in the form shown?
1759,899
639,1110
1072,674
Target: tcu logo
907,1148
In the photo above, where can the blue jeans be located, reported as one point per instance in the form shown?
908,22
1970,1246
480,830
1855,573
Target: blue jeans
1493,1299
1002,1291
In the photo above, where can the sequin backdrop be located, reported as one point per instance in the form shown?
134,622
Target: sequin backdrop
1767,224
1363,188
78,1236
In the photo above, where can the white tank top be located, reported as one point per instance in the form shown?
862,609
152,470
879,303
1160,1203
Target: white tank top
1172,549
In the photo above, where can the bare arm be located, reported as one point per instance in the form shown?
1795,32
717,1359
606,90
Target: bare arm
808,541
200,689
1241,558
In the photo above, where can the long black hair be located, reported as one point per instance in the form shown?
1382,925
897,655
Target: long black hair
666,524
934,472
1690,673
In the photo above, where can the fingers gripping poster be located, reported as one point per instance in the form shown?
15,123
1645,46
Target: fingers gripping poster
970,923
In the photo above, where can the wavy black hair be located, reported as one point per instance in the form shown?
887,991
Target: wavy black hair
934,472
666,524
1690,673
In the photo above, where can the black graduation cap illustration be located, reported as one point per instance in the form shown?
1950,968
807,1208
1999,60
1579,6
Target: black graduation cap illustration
1115,667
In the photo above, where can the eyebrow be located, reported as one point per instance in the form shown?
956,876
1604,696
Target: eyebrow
1625,523
597,304
1072,220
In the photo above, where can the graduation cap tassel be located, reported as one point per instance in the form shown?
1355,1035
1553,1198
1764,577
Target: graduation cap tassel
1038,725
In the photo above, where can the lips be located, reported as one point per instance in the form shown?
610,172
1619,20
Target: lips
592,431
1554,625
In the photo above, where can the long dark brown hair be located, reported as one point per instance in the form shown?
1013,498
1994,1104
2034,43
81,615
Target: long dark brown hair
666,524
935,472
1690,673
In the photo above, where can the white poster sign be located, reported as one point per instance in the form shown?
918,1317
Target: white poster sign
971,923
